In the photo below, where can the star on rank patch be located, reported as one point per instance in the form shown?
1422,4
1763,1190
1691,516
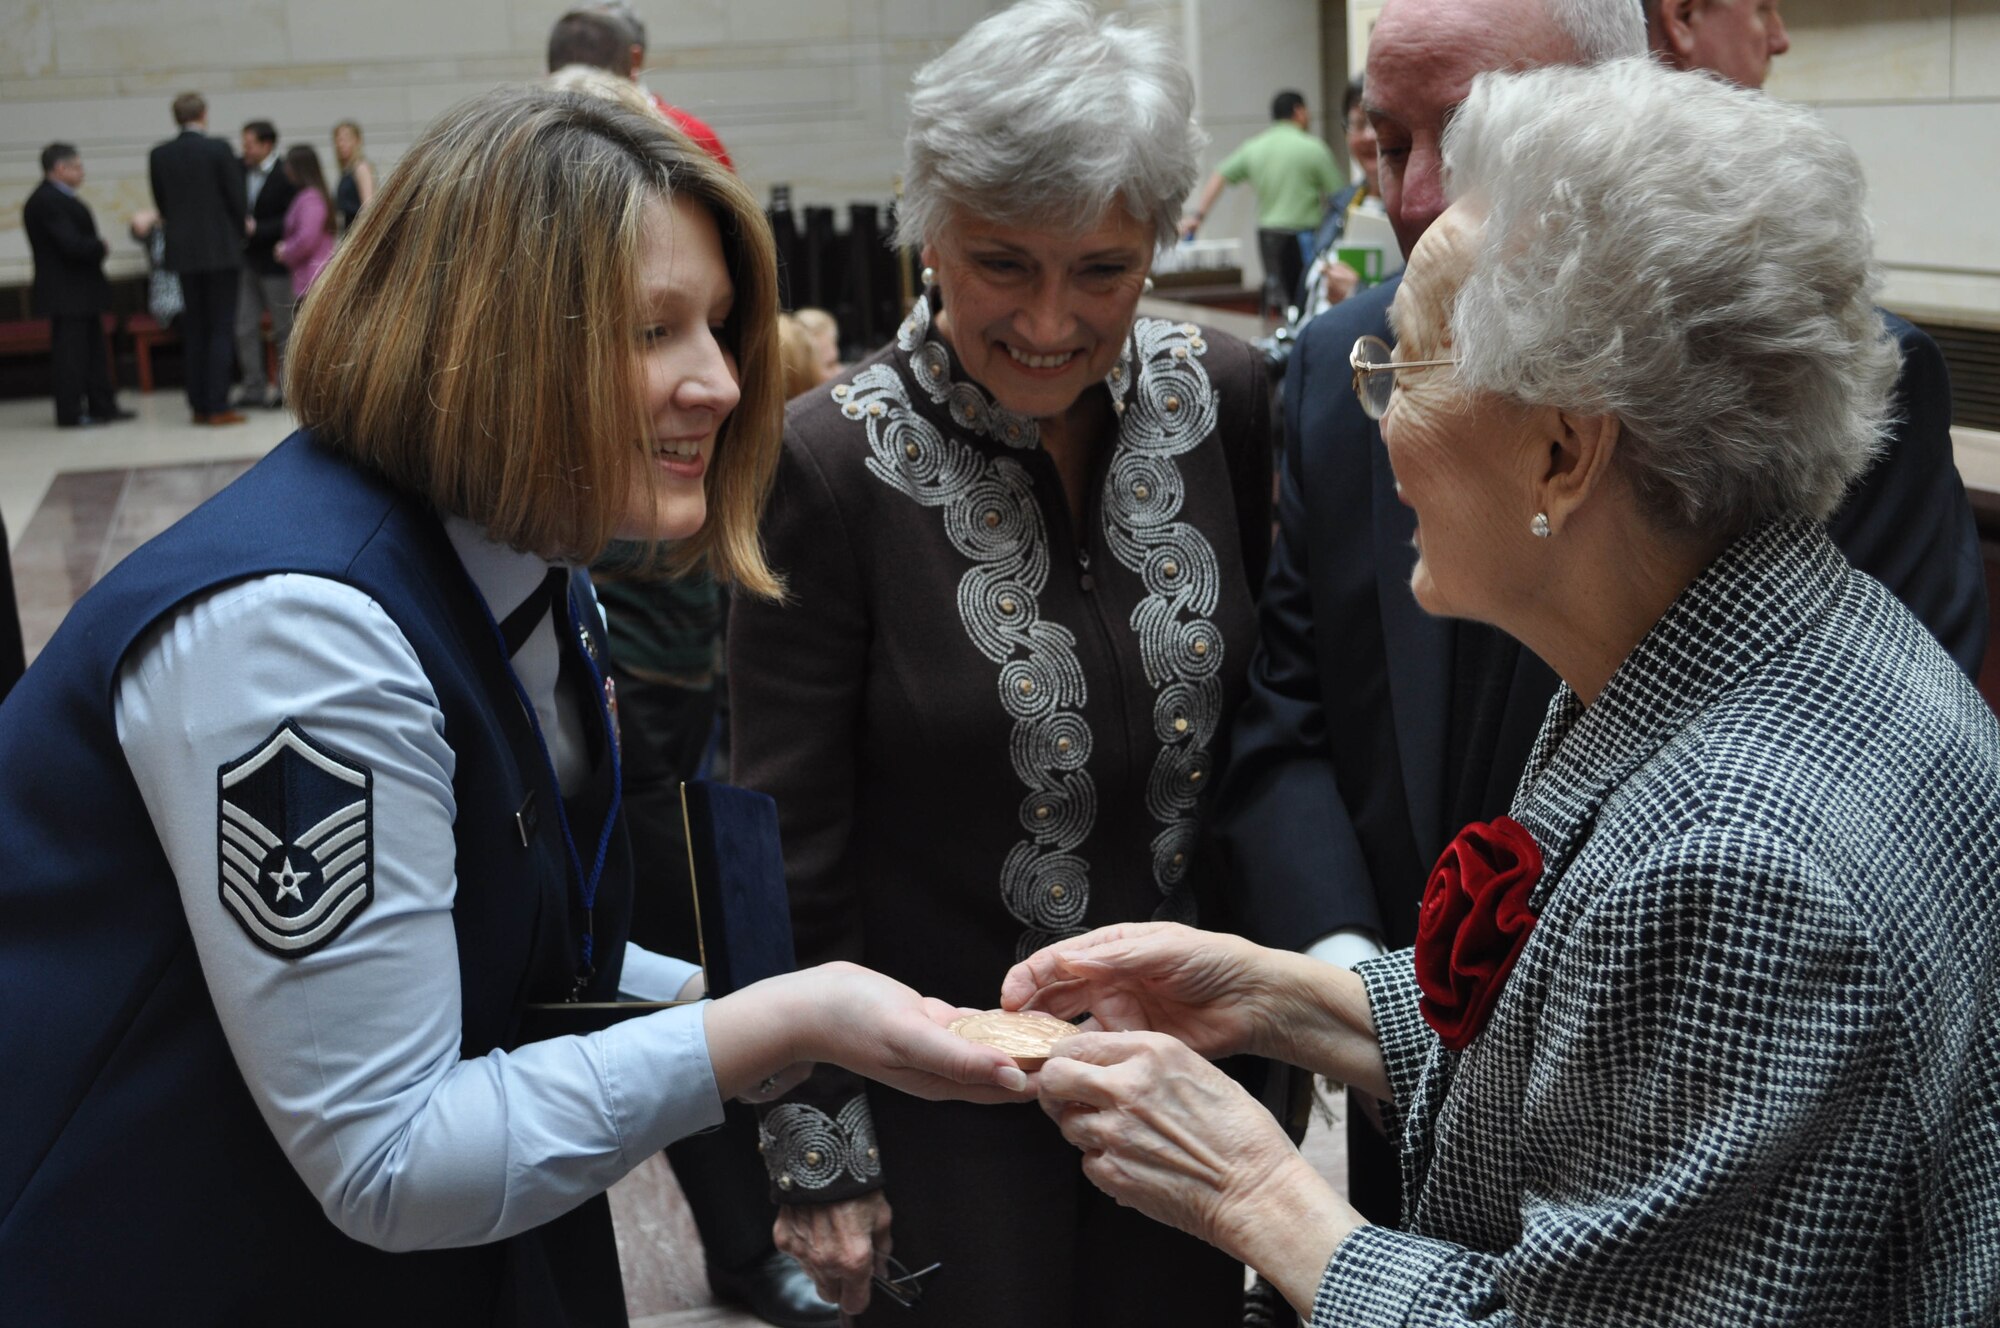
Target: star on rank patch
296,832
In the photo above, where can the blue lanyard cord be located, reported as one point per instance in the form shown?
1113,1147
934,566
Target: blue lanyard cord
586,885
610,732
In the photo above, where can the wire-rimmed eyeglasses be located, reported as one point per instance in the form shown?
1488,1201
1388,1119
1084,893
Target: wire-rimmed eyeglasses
1375,373
903,1286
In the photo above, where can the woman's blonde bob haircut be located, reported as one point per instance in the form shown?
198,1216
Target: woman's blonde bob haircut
476,338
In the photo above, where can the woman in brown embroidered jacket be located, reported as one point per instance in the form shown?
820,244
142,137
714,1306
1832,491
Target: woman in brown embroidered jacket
1023,544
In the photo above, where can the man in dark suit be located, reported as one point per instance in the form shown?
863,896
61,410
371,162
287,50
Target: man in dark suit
267,284
1372,732
198,187
70,290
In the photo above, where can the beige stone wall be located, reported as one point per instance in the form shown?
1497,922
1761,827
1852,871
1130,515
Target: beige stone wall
1243,53
809,92
1914,85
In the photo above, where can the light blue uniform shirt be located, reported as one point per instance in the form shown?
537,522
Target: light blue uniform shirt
352,1053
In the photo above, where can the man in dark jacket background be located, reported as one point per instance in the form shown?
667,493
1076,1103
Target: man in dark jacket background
70,290
198,187
267,284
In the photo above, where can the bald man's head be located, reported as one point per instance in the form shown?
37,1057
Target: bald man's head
1423,57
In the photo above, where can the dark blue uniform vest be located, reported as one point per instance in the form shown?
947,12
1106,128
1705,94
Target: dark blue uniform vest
137,1182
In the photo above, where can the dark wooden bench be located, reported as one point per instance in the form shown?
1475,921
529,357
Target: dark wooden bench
147,333
30,336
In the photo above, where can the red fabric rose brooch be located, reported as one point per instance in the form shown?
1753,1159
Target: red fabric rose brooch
1473,925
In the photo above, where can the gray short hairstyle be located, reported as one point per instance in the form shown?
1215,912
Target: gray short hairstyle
1601,29
1044,114
1689,256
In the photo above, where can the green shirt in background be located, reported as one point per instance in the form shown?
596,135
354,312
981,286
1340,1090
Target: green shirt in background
662,629
1293,173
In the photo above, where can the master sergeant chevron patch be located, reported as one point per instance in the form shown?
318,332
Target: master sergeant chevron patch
295,832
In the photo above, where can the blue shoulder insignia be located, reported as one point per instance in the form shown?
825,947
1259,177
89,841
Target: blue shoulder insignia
295,828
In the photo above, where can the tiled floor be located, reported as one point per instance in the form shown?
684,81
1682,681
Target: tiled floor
89,520
76,501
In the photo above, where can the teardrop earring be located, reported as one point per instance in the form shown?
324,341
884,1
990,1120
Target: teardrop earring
1540,525
928,276
1147,286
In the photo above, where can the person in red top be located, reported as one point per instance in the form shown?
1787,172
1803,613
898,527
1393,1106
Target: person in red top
691,125
611,37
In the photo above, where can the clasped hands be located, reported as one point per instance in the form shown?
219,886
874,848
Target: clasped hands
1160,1128
1164,1131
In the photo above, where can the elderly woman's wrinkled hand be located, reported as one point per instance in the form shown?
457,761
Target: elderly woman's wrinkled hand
1165,1132
840,1245
1209,991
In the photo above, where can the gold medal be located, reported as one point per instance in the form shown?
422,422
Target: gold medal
1027,1036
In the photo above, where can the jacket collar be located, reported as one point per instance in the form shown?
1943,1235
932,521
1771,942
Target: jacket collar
948,391
1758,595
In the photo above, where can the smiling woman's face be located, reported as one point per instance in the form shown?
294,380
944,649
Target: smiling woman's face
689,371
1038,316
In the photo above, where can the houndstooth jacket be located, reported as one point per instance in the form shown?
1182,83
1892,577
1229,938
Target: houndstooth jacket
1747,1069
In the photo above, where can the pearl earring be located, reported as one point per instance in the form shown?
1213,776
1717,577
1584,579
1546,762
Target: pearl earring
1147,287
1540,525
928,276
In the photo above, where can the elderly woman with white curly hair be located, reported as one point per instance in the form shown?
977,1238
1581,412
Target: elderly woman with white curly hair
1704,1031
1023,544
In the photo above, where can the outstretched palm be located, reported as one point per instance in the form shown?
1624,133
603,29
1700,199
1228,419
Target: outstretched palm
877,1027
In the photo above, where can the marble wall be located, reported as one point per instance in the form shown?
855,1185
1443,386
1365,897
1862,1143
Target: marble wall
810,94
1243,52
1914,85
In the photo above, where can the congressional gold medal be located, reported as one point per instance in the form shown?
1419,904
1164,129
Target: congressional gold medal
1028,1036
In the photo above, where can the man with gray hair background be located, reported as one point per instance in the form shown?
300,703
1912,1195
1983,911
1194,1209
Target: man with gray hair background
1373,732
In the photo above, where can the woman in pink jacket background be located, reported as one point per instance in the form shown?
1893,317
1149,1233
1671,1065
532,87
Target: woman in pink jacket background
308,239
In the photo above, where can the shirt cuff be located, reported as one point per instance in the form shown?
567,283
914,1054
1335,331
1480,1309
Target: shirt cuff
653,977
659,1079
1377,1276
1345,948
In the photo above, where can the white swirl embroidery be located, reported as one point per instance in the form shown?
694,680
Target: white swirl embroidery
806,1149
1172,409
990,516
